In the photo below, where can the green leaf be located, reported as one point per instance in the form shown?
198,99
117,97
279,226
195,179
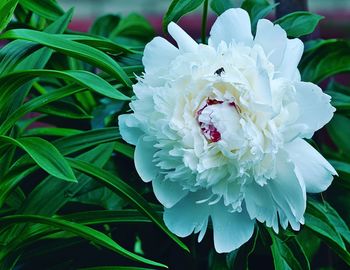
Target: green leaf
7,7
179,8
45,155
48,9
104,26
52,131
343,169
124,149
288,254
326,60
299,23
71,48
81,77
340,101
125,191
64,109
134,25
326,212
257,10
67,145
115,268
107,216
339,131
326,232
80,230
220,6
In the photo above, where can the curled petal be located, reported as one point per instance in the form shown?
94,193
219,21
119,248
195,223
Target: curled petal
231,26
158,54
183,40
315,170
129,128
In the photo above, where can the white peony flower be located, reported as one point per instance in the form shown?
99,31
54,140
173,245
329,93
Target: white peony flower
219,130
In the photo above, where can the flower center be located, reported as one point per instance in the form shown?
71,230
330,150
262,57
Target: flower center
208,115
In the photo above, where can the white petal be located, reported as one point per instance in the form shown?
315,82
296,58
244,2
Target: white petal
158,54
187,215
144,164
183,40
168,192
260,205
232,25
129,128
273,39
315,108
292,55
287,191
231,230
315,170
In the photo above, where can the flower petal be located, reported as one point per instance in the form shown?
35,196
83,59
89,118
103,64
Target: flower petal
315,109
231,230
287,191
292,55
158,54
168,192
260,205
187,215
183,40
232,25
129,128
273,39
144,164
315,170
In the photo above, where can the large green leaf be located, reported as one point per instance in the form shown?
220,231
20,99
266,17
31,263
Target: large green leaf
179,8
80,230
115,268
51,131
288,254
325,60
327,213
339,130
343,169
299,23
46,8
67,145
324,230
125,191
7,7
64,109
220,6
71,48
45,155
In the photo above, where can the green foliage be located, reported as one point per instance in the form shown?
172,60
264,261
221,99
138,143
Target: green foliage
67,178
299,23
179,8
7,7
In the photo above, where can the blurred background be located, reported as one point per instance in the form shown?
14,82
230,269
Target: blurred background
335,24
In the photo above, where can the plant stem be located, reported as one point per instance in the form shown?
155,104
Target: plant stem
204,21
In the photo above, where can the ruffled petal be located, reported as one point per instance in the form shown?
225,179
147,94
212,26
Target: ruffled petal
315,109
288,191
231,26
158,54
129,128
315,170
168,192
273,39
260,205
187,215
231,230
292,55
144,164
183,40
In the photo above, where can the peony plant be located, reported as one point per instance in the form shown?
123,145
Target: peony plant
242,135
